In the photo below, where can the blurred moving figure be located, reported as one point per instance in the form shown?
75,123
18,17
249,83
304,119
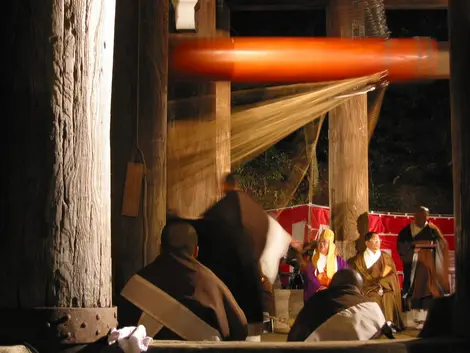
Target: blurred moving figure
242,244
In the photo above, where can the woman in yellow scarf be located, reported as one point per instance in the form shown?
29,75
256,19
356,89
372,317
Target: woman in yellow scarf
325,263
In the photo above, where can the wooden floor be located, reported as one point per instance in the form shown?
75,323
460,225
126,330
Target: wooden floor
277,337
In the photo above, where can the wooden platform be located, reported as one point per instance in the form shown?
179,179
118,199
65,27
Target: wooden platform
277,337
379,346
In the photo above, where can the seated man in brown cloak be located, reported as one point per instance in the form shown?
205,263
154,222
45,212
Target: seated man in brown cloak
381,283
340,313
177,298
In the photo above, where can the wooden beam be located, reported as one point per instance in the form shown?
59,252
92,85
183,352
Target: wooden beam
223,104
152,123
416,4
348,160
459,24
296,5
276,5
139,125
192,152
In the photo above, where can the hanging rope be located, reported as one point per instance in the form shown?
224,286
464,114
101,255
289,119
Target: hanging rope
255,127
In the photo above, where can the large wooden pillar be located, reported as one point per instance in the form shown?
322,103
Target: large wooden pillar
55,252
199,129
348,145
223,106
459,24
138,133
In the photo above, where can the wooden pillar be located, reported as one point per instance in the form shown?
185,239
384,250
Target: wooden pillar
153,86
198,147
223,107
348,146
459,24
138,132
55,254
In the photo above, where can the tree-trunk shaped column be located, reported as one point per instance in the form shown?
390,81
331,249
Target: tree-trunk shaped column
55,260
348,145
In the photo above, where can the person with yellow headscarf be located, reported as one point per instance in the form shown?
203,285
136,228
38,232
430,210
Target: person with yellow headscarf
325,263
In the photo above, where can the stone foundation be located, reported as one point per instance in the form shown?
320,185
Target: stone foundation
287,305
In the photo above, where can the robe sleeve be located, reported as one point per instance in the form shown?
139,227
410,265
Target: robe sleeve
251,300
404,246
341,263
390,281
311,284
236,319
442,261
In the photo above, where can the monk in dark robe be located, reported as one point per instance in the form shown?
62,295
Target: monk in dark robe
233,236
177,298
381,282
339,313
425,256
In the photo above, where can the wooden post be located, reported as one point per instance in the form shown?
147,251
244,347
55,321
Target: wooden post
348,146
153,86
198,148
56,229
138,130
459,24
223,107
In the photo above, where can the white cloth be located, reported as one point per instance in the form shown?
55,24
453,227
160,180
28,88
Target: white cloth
419,316
360,322
415,229
130,339
253,338
321,264
277,245
370,258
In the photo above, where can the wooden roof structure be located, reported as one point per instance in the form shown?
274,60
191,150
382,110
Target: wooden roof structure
289,5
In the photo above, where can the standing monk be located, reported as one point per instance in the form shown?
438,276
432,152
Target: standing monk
380,277
325,263
424,253
242,244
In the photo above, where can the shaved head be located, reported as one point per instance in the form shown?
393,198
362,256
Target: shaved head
347,277
230,182
421,216
179,237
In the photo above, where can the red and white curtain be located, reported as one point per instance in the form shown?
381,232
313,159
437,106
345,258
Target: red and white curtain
297,222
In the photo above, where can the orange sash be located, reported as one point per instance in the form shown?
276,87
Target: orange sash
323,279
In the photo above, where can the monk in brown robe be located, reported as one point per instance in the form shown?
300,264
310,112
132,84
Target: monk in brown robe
177,298
425,256
381,283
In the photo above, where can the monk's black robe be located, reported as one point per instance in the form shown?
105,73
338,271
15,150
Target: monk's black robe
198,289
232,236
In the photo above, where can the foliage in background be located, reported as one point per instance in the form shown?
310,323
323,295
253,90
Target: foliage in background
266,178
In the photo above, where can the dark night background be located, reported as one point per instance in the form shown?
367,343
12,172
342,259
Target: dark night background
410,152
